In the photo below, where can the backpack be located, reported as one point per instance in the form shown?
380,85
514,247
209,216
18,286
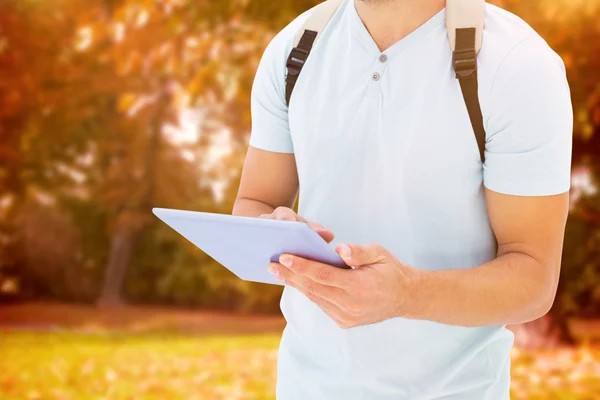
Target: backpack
464,22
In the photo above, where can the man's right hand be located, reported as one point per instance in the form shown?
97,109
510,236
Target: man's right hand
287,214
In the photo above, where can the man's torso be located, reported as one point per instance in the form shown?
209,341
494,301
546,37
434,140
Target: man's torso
386,153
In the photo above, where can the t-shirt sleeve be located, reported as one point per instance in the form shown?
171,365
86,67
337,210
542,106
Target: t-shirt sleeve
530,124
270,126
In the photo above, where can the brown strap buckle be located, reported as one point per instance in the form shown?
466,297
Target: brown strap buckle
296,60
465,62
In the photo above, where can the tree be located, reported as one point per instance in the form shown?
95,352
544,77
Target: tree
32,153
95,97
112,76
173,55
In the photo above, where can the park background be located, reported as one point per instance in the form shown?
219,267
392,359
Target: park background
111,107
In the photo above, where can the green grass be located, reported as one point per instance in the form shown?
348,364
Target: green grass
65,366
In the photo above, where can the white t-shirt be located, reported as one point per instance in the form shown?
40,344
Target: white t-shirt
386,154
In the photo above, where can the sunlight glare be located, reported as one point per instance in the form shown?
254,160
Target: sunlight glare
84,38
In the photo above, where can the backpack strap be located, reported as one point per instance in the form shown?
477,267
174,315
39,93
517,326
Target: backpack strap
306,38
464,21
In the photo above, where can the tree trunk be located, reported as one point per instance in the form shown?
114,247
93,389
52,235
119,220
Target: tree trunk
129,226
121,248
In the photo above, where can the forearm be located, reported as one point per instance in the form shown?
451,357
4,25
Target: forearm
514,288
251,208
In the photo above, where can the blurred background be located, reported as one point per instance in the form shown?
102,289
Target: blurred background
111,107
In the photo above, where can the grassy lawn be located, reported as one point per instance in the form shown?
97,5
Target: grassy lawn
63,366
561,374
127,367
69,352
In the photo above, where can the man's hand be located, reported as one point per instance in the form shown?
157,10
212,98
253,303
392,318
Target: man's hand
376,290
287,214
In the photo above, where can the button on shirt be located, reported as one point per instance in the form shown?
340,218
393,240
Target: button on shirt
386,154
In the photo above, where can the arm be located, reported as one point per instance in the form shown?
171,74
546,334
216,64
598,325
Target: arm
269,184
269,180
269,188
518,286
528,157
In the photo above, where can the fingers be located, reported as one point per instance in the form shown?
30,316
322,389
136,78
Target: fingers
308,286
283,214
358,256
328,305
326,234
316,271
334,312
287,214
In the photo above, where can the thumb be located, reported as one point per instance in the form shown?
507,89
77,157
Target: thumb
359,256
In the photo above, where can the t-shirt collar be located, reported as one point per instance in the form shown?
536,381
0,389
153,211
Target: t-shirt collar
359,30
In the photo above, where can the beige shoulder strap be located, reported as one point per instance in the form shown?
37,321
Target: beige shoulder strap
306,38
319,18
464,22
462,14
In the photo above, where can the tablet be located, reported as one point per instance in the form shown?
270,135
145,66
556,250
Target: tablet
246,245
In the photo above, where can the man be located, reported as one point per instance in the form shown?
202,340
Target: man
378,138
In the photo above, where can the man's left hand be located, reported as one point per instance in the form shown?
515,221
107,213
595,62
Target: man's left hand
377,289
